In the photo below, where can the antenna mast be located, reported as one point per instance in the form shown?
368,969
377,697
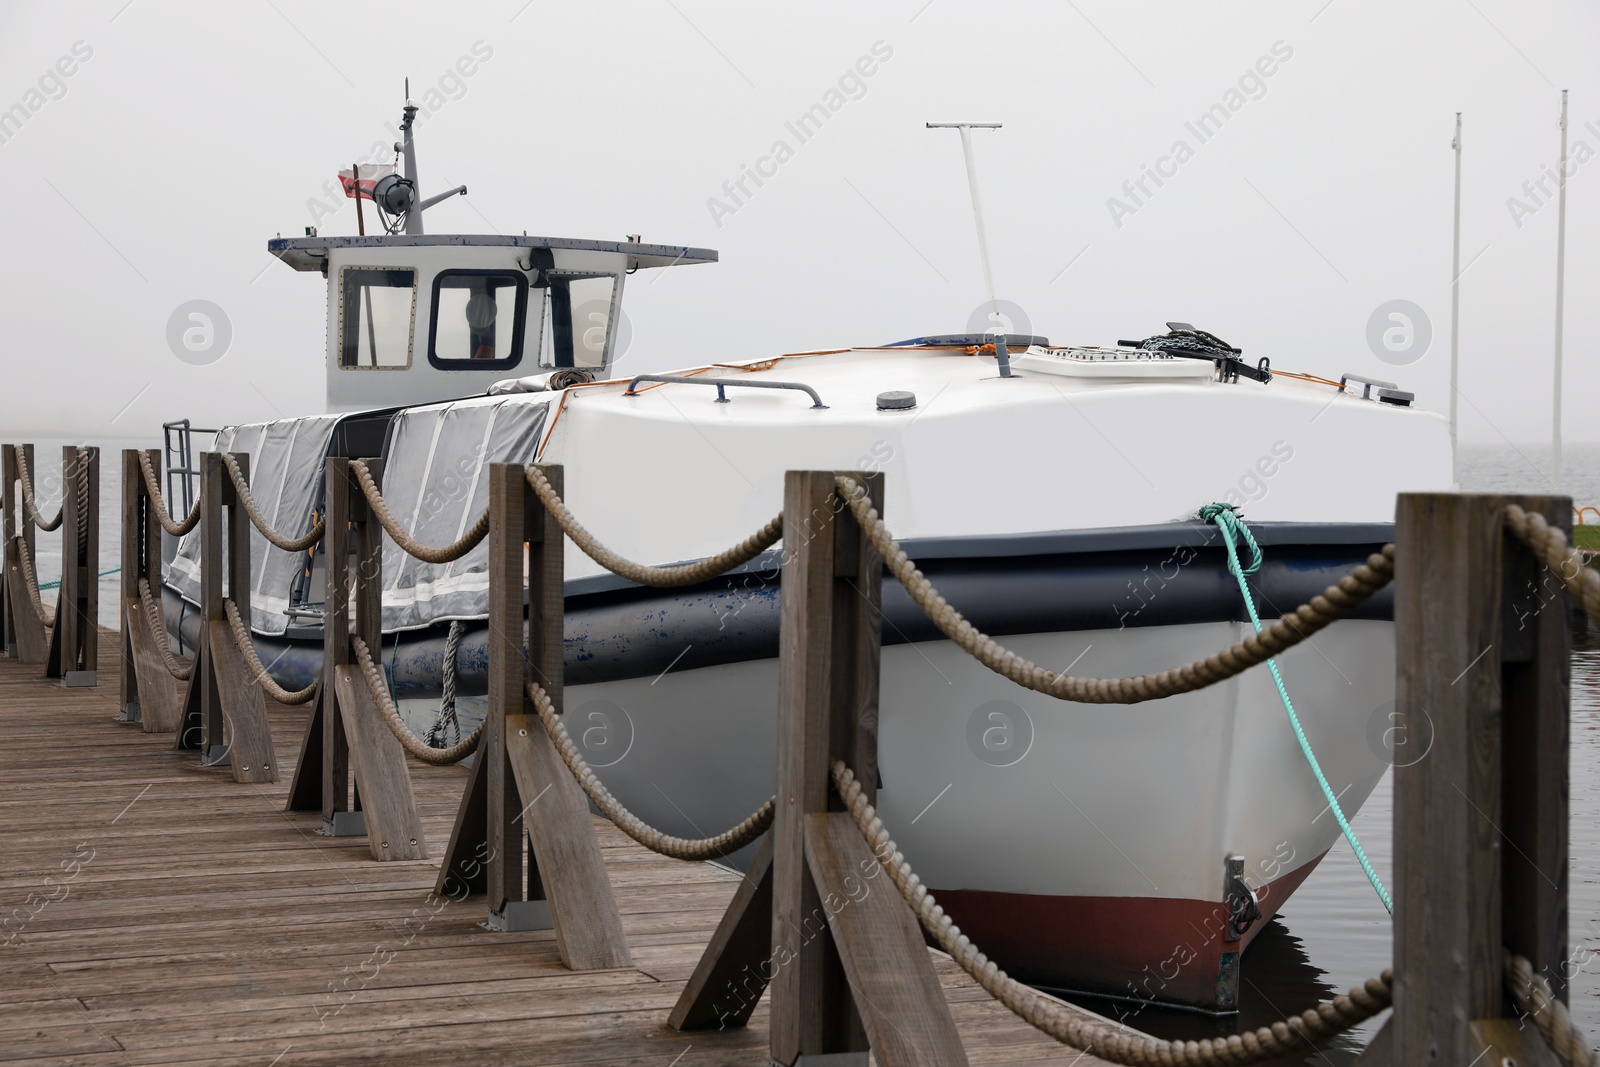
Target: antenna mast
1561,288
996,328
1455,308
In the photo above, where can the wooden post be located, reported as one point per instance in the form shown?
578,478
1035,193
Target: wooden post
355,741
8,520
322,777
26,638
1481,819
847,964
201,726
75,638
518,781
240,698
150,695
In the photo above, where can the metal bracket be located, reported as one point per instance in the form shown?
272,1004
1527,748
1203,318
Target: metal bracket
1243,907
345,824
521,915
80,679
216,756
131,712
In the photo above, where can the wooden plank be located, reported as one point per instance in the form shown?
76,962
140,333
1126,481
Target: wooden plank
131,564
582,906
464,869
89,654
394,832
159,693
1535,740
212,562
812,1011
244,709
305,788
74,646
1449,925
9,527
335,751
503,822
23,527
1508,1041
52,659
733,971
881,948
1447,922
33,642
64,635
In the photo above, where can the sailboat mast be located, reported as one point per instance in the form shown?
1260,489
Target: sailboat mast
1455,313
1561,290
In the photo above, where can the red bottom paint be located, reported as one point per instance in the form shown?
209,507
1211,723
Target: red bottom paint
1145,948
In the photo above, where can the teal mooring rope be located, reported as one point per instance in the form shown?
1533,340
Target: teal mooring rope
1228,521
57,582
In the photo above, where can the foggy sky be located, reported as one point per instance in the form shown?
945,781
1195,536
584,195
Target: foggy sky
186,135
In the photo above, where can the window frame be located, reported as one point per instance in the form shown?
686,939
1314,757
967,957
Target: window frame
411,327
518,325
571,274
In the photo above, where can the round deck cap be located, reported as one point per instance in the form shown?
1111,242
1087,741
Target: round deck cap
896,400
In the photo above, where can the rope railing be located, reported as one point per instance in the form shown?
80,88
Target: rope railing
678,848
258,671
242,487
1334,603
413,744
152,487
158,631
26,478
46,615
644,574
1533,998
1550,545
1078,1029
410,545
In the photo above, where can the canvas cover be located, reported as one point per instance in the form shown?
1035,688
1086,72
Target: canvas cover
285,474
436,483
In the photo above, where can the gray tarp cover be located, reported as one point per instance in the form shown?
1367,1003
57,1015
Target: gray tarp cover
436,482
285,471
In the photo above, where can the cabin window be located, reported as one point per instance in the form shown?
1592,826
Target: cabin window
581,309
377,308
477,319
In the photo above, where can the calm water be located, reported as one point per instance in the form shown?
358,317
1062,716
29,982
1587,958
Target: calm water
1334,932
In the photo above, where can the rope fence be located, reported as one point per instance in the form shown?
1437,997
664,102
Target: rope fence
410,545
26,478
152,487
644,574
46,615
259,521
1076,1029
678,848
1333,604
158,630
418,747
1550,545
258,671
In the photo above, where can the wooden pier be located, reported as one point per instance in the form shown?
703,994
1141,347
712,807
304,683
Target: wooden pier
185,903
187,919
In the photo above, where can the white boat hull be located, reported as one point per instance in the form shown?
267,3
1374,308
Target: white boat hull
1082,846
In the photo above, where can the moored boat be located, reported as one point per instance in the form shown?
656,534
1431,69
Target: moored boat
1051,492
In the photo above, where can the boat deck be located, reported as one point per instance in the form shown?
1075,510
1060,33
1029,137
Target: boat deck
163,914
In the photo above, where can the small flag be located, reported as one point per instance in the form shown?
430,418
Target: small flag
370,174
